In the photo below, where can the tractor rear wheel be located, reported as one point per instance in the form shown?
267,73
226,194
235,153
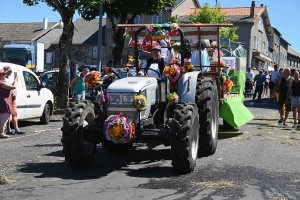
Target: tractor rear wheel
79,116
208,109
185,137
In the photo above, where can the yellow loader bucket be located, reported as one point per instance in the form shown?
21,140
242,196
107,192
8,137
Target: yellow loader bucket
233,111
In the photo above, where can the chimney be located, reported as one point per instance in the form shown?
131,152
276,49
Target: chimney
252,9
45,23
262,5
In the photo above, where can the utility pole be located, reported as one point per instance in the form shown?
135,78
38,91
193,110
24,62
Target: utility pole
99,53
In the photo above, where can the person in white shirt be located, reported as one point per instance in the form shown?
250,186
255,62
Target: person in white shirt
155,65
249,74
273,78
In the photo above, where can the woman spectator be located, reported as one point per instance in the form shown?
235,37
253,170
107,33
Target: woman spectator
78,85
266,84
6,107
294,93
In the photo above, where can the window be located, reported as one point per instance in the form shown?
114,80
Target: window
264,45
254,43
138,19
259,44
178,2
48,57
94,53
260,24
30,81
267,45
157,19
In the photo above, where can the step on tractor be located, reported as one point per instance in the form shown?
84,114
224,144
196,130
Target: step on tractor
183,114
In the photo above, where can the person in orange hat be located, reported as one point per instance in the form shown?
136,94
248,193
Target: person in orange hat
6,107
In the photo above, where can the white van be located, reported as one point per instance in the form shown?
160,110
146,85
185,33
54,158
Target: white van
33,99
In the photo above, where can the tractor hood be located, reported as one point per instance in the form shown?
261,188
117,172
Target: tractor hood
131,84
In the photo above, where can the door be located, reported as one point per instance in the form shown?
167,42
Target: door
33,96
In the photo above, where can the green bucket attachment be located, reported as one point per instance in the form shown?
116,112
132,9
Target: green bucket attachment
234,112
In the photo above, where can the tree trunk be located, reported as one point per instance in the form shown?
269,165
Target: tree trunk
119,38
65,45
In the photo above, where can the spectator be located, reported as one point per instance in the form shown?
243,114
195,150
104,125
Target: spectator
273,78
294,91
266,84
259,79
6,107
292,72
282,89
78,85
249,74
110,63
8,72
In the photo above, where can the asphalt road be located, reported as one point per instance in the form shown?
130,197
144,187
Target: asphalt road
259,161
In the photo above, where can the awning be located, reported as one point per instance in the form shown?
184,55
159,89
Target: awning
262,57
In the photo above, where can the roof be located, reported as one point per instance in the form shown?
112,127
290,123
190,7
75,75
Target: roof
293,52
275,30
24,31
50,37
281,39
235,14
86,32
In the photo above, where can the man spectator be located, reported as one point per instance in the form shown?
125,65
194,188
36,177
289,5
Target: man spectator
249,74
8,71
282,87
273,78
259,79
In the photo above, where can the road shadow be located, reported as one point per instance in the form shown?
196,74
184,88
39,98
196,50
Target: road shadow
105,163
264,103
205,183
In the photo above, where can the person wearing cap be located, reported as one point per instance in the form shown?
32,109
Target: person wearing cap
6,107
157,62
14,117
78,85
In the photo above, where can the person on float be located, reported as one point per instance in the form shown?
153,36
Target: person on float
157,62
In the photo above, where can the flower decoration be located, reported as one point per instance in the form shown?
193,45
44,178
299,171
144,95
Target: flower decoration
190,67
119,129
148,45
140,102
173,70
92,79
228,85
149,28
174,29
139,44
173,98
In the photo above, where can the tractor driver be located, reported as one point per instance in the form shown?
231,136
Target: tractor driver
156,63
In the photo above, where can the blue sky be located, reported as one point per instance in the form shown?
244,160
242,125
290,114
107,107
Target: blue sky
284,15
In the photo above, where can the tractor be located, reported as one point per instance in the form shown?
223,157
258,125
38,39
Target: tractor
188,125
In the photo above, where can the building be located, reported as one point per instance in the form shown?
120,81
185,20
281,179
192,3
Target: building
283,51
254,30
84,44
182,6
293,59
25,32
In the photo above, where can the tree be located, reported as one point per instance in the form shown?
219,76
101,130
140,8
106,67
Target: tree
173,19
66,9
214,15
125,11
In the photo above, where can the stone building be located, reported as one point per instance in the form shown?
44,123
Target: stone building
293,59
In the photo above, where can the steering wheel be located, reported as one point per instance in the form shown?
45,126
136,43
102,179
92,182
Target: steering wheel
149,69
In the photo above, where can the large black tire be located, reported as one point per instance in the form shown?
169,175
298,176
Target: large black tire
45,118
208,108
78,151
185,137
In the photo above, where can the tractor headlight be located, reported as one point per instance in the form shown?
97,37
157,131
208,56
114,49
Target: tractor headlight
114,98
127,98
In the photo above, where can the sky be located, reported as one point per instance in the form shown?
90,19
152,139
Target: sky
284,14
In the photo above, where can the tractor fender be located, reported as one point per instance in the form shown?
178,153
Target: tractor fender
187,87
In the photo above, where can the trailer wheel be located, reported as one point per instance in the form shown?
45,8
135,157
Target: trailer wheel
79,116
208,109
185,137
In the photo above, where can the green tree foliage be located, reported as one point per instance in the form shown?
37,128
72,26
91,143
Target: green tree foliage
214,15
125,11
173,19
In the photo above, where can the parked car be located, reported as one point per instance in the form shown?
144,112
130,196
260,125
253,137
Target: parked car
33,99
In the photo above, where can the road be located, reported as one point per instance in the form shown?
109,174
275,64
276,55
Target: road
259,161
